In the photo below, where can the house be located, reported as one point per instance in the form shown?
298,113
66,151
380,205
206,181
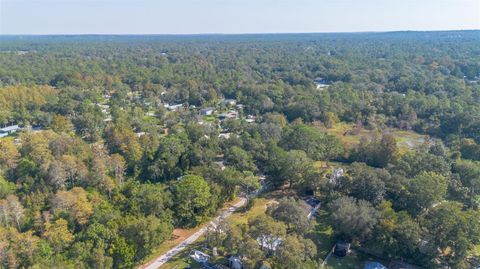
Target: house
221,164
341,249
140,134
224,135
250,119
337,173
199,256
229,102
10,129
235,262
208,111
174,107
240,106
164,130
321,83
232,114
374,265
269,242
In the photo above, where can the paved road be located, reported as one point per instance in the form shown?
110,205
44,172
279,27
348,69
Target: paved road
159,261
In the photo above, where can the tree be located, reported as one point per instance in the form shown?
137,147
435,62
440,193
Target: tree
239,159
168,160
367,183
148,199
293,213
296,168
9,155
58,235
376,152
317,145
11,211
121,139
238,241
296,252
469,172
6,188
268,232
412,164
453,232
146,233
192,200
398,233
352,219
73,202
61,124
425,190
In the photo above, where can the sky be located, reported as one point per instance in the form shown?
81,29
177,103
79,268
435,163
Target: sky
233,16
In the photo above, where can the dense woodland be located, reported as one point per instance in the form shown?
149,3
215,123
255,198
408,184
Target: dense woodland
103,170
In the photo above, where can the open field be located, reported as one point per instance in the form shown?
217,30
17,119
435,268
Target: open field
405,139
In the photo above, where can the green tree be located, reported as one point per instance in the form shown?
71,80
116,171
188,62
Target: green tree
425,190
469,172
192,200
352,219
453,232
293,213
296,252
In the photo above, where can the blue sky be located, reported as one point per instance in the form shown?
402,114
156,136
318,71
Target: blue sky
233,16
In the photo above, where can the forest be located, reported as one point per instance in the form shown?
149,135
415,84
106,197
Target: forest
109,143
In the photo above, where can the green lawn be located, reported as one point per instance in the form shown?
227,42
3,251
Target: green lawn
351,261
323,234
258,209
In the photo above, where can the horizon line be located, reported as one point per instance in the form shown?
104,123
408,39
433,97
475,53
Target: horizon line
240,33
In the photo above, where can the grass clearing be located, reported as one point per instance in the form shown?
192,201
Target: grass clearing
406,140
258,209
323,233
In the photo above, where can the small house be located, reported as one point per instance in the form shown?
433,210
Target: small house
208,111
164,130
224,135
337,173
140,134
269,242
174,107
10,129
235,262
240,106
199,256
229,102
321,83
341,249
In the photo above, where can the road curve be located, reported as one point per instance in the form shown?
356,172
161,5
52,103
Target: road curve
161,260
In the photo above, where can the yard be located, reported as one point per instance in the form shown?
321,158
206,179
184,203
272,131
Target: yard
325,240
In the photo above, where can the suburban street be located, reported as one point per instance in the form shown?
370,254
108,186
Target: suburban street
160,260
